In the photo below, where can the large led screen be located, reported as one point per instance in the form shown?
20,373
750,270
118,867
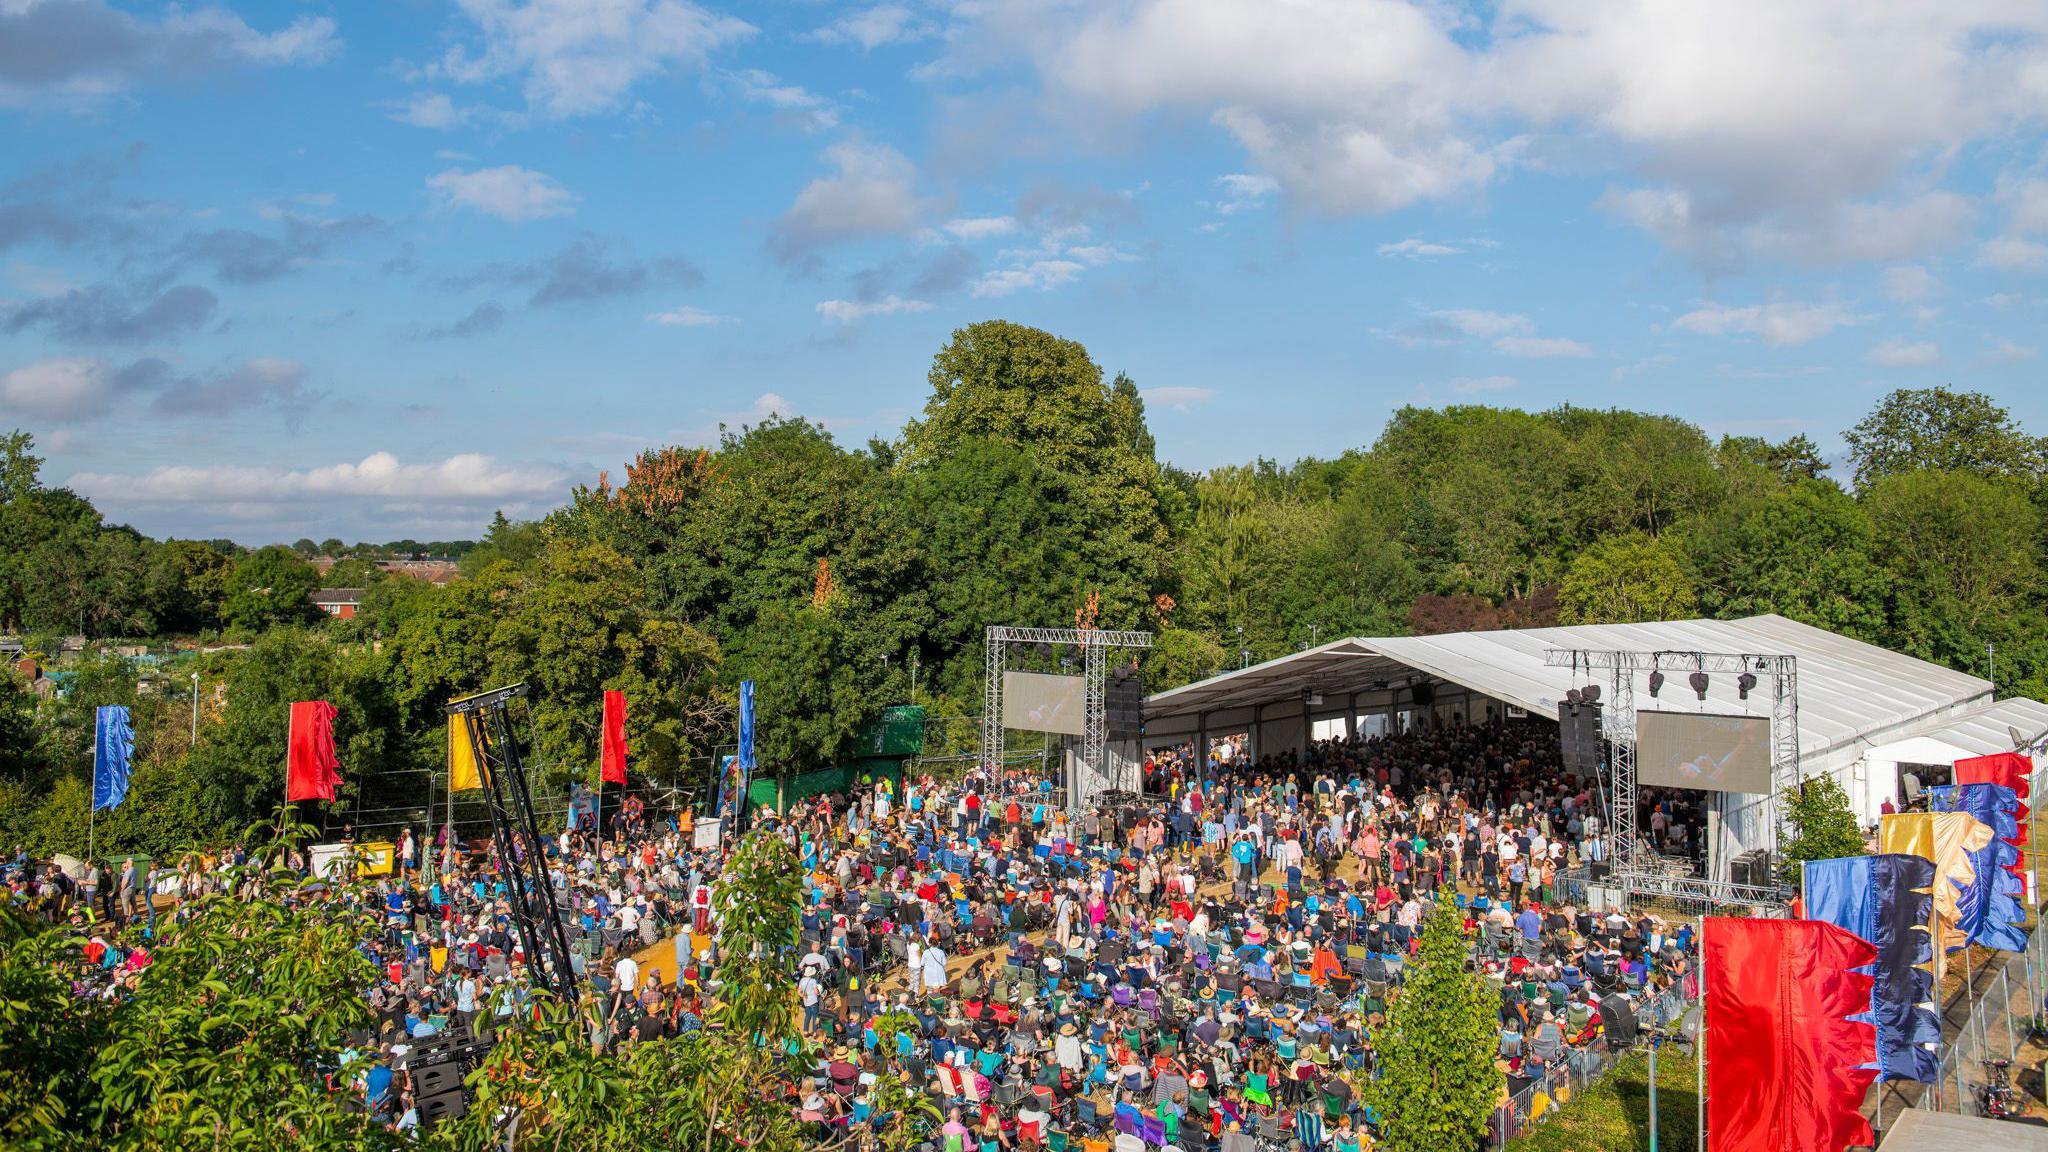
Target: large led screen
1036,702
1693,750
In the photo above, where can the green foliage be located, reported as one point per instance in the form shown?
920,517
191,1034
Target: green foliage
267,588
1625,579
1939,430
1438,1084
1823,823
47,1040
1806,551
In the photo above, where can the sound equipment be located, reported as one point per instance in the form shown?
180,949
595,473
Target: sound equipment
1578,734
1753,868
1124,701
1423,694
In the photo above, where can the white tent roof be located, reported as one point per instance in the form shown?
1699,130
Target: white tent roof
1850,693
1978,731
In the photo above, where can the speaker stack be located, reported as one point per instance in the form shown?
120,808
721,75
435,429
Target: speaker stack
1124,700
1578,734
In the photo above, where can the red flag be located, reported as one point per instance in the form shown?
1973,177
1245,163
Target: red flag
1781,1054
311,770
2010,770
612,748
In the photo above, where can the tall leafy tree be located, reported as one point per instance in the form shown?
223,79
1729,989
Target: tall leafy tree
269,587
1625,579
1437,1084
1942,430
1805,551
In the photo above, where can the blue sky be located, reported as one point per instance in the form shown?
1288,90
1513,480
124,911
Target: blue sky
374,270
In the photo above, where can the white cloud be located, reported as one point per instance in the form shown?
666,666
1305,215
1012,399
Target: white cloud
508,192
1242,192
1910,283
847,311
1486,325
1416,248
1180,398
807,109
971,228
690,316
1542,347
429,110
1781,323
1894,352
875,27
1469,384
2010,352
2026,203
1038,275
1818,131
2012,254
56,389
465,478
578,57
870,193
81,50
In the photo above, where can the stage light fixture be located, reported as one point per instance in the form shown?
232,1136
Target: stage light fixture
1572,696
1699,682
1744,683
1656,684
1590,693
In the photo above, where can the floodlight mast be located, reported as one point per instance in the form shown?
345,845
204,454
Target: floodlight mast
1620,718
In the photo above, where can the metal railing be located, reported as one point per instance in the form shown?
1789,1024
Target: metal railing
1577,1069
2004,1006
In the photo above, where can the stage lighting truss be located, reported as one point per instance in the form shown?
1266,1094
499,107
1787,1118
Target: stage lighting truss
1619,724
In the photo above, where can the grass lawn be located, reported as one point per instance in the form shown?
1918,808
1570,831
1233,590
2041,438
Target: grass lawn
1613,1115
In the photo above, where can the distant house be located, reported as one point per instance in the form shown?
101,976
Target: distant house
340,603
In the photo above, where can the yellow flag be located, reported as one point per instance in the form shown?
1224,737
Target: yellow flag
462,769
1948,841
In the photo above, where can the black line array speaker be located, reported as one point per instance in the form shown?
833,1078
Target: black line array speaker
1578,734
1124,700
1753,868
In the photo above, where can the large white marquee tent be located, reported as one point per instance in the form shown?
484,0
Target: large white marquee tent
1863,710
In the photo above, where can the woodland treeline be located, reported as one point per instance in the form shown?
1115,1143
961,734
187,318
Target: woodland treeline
1029,491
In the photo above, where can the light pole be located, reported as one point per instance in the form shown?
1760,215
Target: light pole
913,676
195,709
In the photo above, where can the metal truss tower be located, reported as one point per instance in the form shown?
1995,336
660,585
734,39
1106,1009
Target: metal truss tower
1095,645
1621,733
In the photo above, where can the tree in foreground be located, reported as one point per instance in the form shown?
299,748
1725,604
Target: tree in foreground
1438,1085
1824,826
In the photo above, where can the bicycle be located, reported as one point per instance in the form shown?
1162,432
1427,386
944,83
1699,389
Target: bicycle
1999,1100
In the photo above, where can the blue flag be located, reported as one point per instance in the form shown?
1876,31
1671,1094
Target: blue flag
114,743
1989,911
1887,900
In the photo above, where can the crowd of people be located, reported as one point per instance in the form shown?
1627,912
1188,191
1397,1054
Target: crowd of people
1212,963
1207,965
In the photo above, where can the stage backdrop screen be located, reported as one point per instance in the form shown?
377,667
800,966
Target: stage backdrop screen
1035,702
1690,750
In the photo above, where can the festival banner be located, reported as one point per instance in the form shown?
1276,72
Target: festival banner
1888,900
1989,911
612,745
2011,770
463,773
312,771
1787,1065
1946,838
113,746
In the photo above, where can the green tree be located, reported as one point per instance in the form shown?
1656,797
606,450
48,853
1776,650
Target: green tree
1626,579
47,1039
576,626
1960,551
268,587
1937,429
1182,656
1805,551
1437,1083
1824,825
